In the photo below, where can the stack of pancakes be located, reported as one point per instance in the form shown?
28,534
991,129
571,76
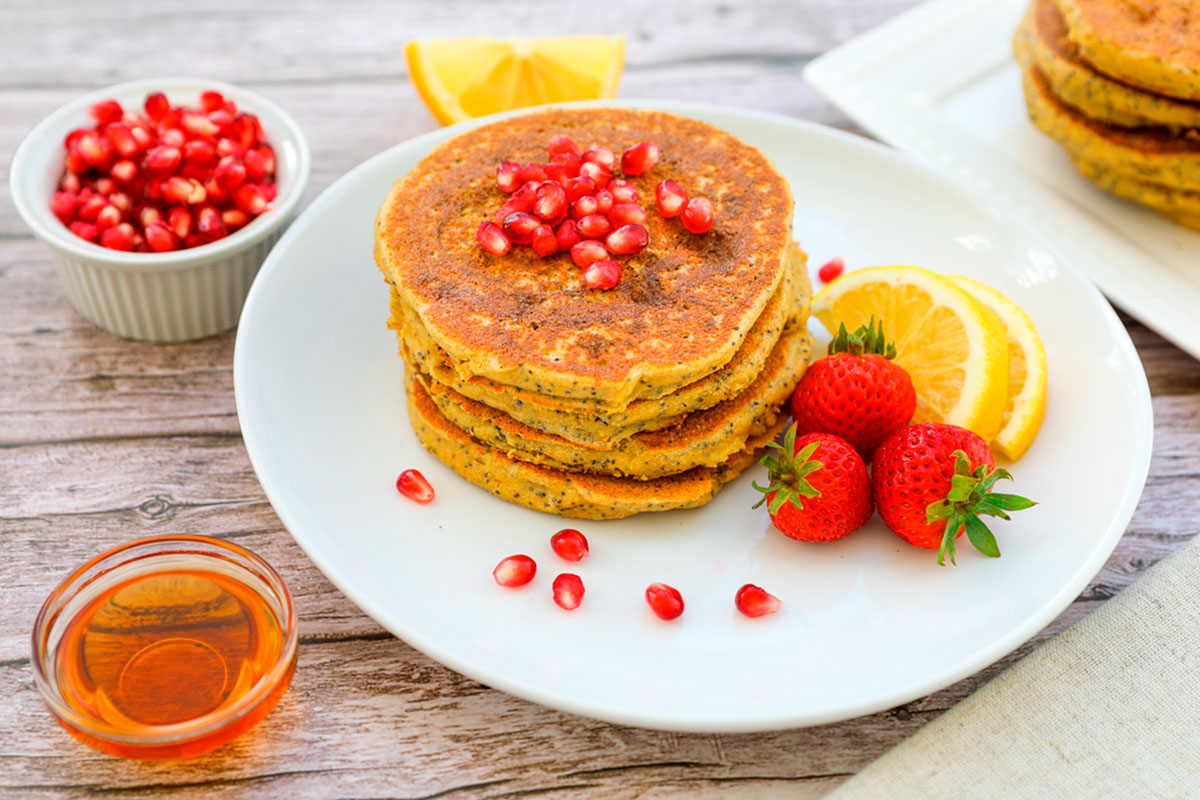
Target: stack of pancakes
1117,84
586,403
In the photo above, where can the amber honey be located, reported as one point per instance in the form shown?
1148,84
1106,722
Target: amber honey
168,662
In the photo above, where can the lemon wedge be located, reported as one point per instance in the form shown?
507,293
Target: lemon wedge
1027,381
473,76
953,347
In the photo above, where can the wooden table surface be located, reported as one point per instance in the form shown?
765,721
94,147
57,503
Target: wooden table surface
103,440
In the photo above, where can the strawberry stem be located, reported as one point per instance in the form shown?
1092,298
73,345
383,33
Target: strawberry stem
788,472
971,496
867,340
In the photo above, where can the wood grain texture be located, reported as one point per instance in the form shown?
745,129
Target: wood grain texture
104,440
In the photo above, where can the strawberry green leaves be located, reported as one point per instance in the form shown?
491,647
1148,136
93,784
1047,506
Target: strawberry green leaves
867,340
970,497
788,472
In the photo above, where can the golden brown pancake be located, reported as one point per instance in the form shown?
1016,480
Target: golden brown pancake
682,309
1178,204
1152,44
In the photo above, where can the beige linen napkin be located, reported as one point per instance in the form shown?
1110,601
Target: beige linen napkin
1110,708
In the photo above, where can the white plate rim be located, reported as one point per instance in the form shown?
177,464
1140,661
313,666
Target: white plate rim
1000,647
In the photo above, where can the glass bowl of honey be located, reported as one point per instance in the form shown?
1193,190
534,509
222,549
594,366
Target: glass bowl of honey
166,647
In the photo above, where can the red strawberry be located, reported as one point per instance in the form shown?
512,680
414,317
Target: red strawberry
856,392
932,482
819,487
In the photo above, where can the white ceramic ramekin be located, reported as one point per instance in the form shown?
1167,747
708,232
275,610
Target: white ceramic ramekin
166,297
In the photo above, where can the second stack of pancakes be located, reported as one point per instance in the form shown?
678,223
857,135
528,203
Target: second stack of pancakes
592,404
1117,84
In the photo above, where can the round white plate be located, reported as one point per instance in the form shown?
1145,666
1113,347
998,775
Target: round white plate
867,623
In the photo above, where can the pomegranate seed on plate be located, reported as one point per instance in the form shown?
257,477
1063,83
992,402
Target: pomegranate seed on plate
253,162
210,225
106,111
563,168
180,221
665,601
597,173
754,601
85,230
533,171
62,205
159,237
515,571
569,544
109,215
604,201
697,215
627,239
831,269
604,274
562,144
124,171
601,156
593,226
550,201
156,106
249,198
567,235
519,227
627,214
578,187
119,237
122,140
507,210
586,252
568,591
584,206
412,484
508,176
492,239
671,198
163,159
639,159
623,191
524,197
544,242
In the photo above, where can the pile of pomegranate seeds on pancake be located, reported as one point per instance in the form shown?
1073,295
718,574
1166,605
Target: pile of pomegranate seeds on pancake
575,205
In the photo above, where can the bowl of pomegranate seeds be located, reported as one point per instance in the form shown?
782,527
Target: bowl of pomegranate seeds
160,199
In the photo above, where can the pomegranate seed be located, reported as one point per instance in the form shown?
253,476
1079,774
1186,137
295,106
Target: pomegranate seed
568,591
665,601
228,147
525,197
249,198
268,158
534,171
253,162
603,274
578,187
122,201
109,215
181,190
519,227
95,149
211,101
70,183
156,106
697,215
831,269
584,206
91,208
492,239
194,240
234,218
124,171
119,237
75,161
150,215
84,230
172,137
627,214
122,140
413,485
754,601
270,191
639,159
200,153
563,168
551,201
216,192
159,237
544,243
180,221
593,226
231,106
210,225
507,210
163,159
105,186
73,137
597,173
627,239
508,176
197,124
623,191
62,205
586,252
221,118
515,571
569,544
106,111
246,130
604,201
567,235
230,173
142,136
562,144
601,156
671,198
170,119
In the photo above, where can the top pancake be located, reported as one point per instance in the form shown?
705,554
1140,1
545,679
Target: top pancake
1154,44
679,313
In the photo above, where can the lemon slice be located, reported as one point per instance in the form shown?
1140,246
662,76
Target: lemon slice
1026,405
473,76
953,347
